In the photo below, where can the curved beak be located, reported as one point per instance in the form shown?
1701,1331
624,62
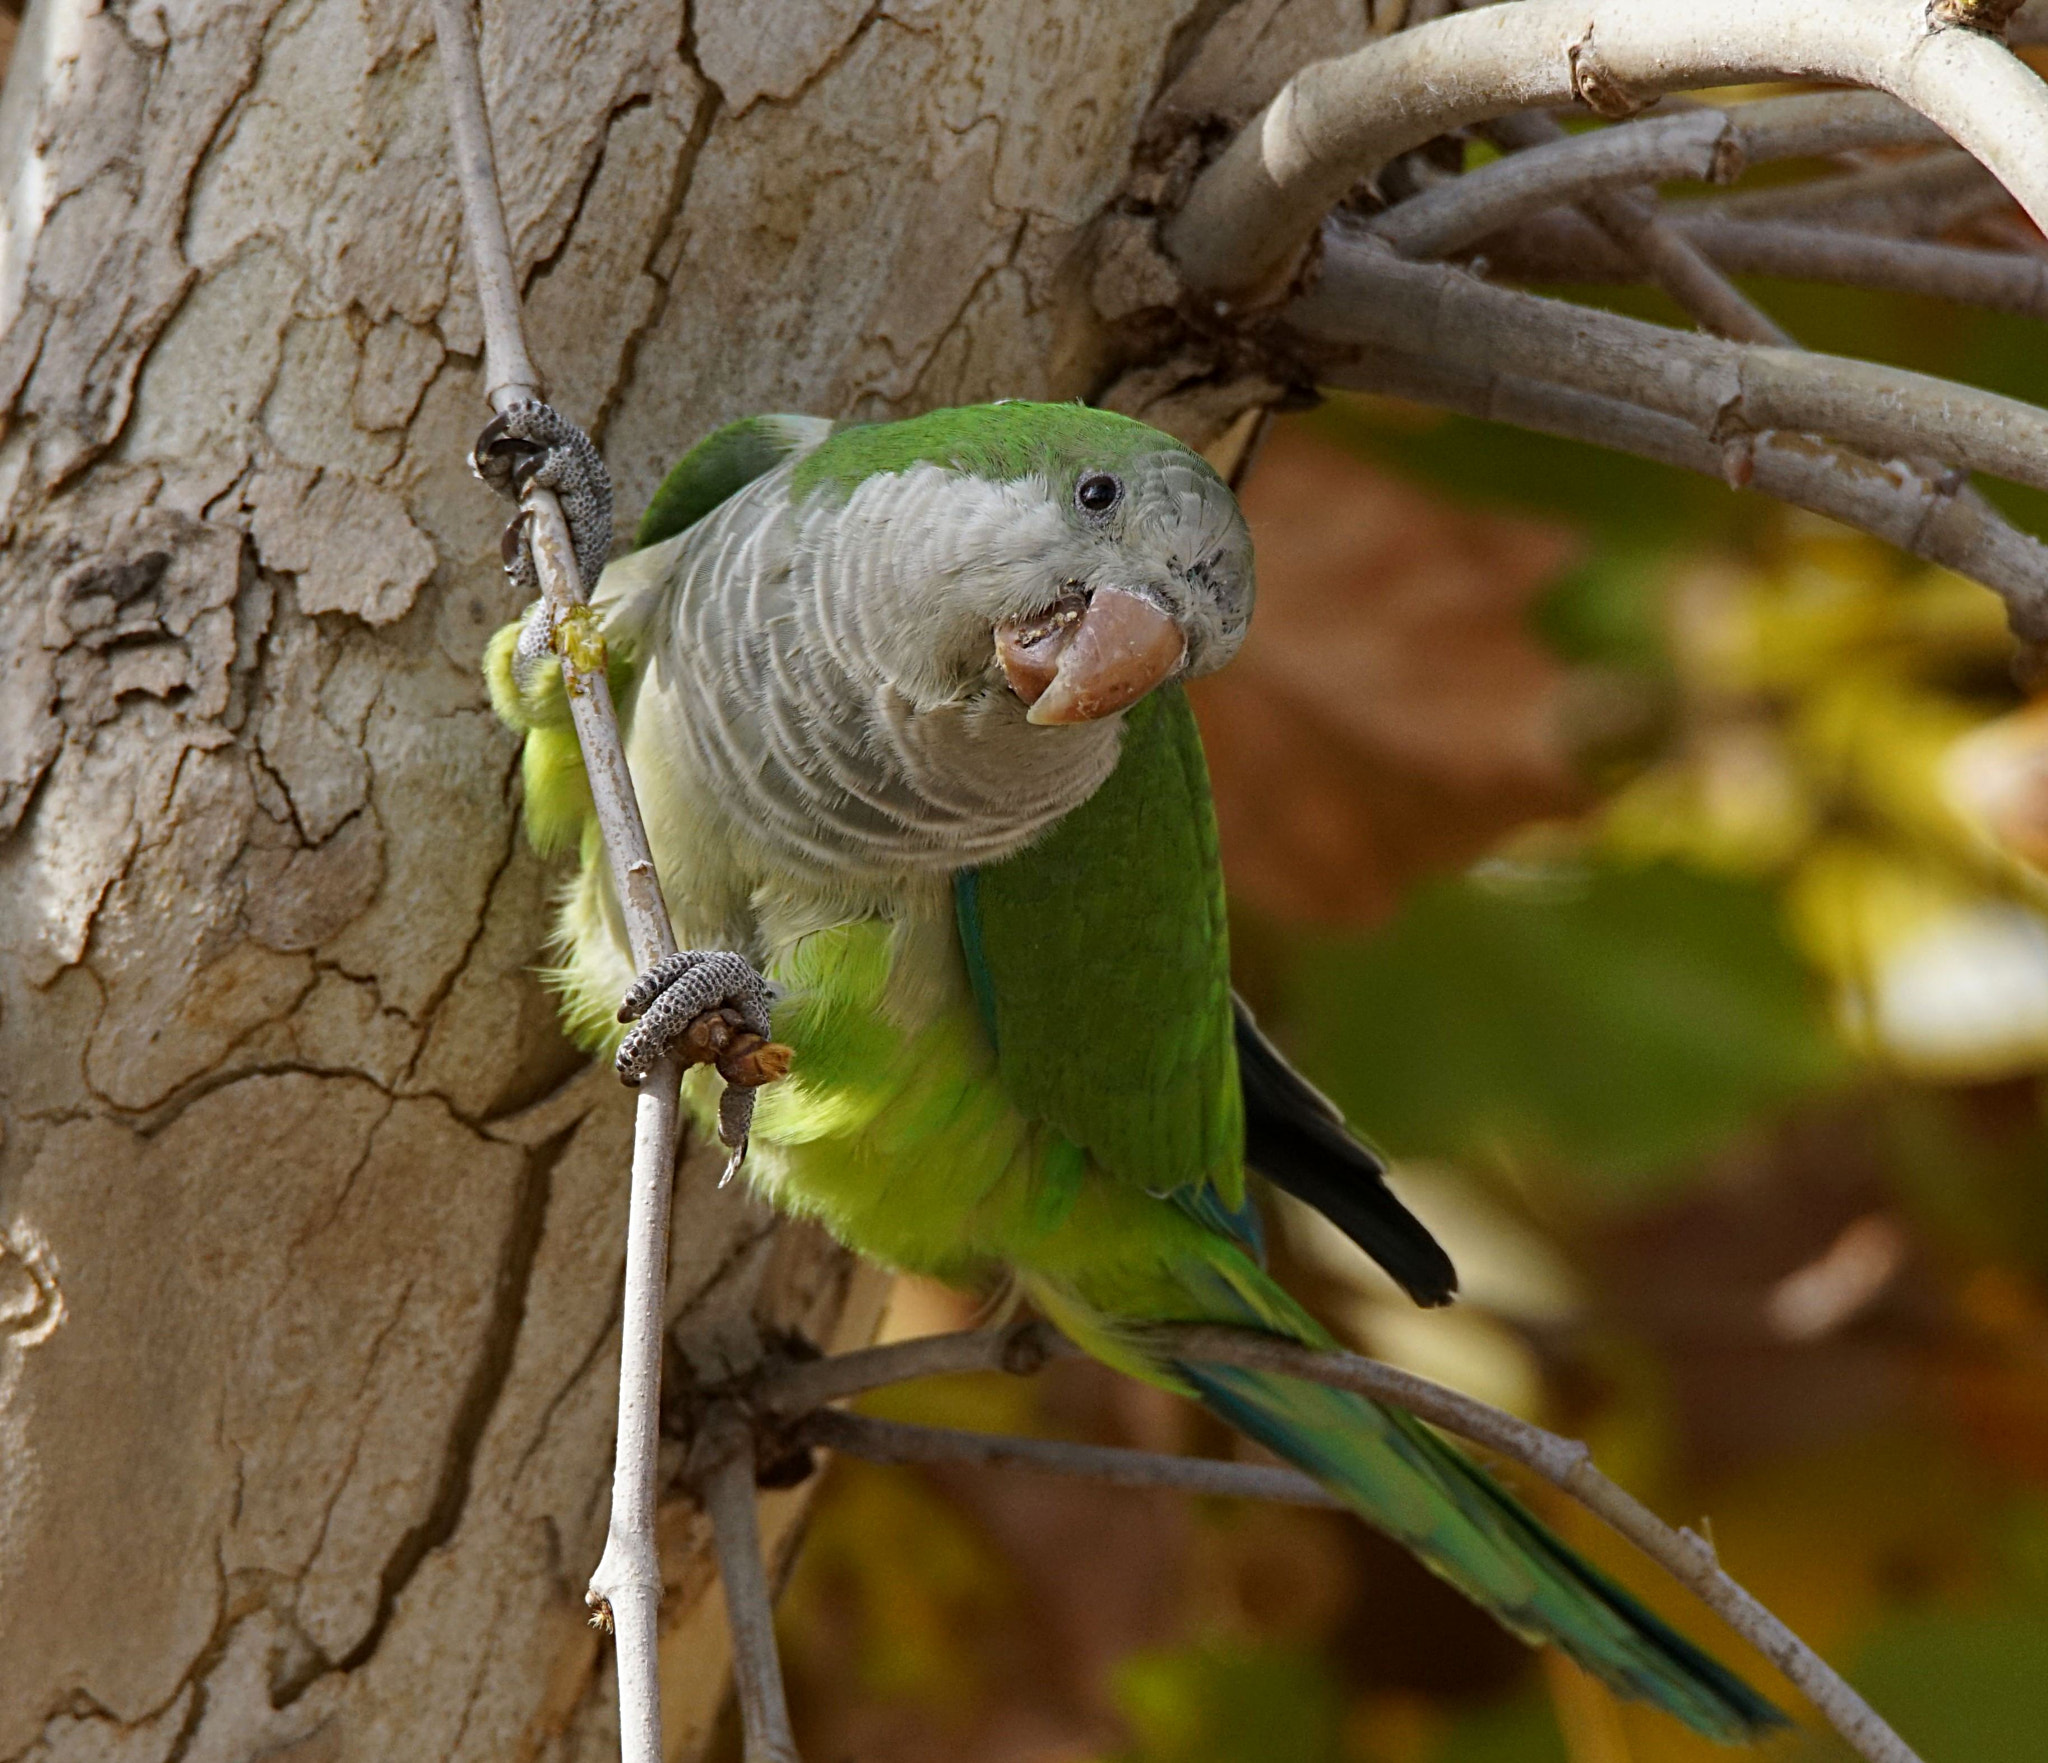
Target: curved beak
1088,659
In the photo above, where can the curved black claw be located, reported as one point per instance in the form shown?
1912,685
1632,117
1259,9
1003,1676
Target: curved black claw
534,443
670,996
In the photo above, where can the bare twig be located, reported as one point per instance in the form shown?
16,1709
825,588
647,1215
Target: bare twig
1558,246
1023,1348
1890,501
1924,503
1725,390
1566,1464
1711,146
2004,281
784,1399
1632,221
625,1591
1917,198
891,1441
724,1469
1250,216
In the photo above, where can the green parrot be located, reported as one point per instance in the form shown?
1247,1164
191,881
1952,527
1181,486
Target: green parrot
903,705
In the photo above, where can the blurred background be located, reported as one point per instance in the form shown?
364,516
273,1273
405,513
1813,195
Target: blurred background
1660,877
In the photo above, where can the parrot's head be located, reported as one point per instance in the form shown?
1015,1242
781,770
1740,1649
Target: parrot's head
1146,574
1059,560
916,640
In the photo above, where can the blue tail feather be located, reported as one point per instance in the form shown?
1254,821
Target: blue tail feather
1429,1496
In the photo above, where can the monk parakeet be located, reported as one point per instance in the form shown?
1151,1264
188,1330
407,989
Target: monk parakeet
903,705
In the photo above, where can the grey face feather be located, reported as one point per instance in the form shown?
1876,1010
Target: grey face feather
824,674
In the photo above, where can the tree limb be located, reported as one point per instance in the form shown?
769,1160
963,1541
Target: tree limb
1918,504
890,1441
1633,222
1921,197
625,1591
1249,217
1709,146
795,1389
724,1471
1890,501
783,1395
1560,247
1723,390
2004,281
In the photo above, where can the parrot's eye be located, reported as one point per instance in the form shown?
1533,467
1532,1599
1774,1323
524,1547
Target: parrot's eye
1098,492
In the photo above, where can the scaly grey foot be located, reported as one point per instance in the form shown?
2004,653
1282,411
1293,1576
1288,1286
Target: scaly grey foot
533,443
709,1007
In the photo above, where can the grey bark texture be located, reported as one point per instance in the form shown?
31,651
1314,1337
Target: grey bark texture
310,1223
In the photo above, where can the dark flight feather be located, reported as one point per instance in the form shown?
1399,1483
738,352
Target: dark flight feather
1298,1141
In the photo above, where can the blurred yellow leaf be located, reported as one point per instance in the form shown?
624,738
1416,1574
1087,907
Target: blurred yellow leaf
1997,778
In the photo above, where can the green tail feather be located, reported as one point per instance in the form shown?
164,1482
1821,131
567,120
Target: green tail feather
1463,1526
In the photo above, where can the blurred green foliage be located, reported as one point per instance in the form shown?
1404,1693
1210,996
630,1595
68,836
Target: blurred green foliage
1222,1702
1521,1731
1961,1686
1614,1018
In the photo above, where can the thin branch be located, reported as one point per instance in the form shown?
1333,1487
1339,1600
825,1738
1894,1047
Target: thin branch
508,374
1632,221
1917,198
1724,390
795,1389
2004,281
890,1441
1559,247
1568,1465
1710,146
724,1472
1890,501
625,1591
784,1393
1941,514
1251,215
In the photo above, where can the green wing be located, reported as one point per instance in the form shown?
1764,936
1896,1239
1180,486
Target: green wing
721,465
1101,960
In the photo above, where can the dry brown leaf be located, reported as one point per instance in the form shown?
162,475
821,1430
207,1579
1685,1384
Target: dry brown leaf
1392,715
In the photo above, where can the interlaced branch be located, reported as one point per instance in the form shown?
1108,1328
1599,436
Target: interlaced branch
1711,146
1634,224
1243,232
1371,304
1560,247
1921,516
1368,295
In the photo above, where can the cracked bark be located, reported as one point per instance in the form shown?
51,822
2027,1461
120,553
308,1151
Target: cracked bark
309,1222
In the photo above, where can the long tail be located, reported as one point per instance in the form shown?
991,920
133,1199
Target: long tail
1464,1526
1428,1496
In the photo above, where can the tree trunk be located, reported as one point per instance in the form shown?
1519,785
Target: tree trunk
310,1223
